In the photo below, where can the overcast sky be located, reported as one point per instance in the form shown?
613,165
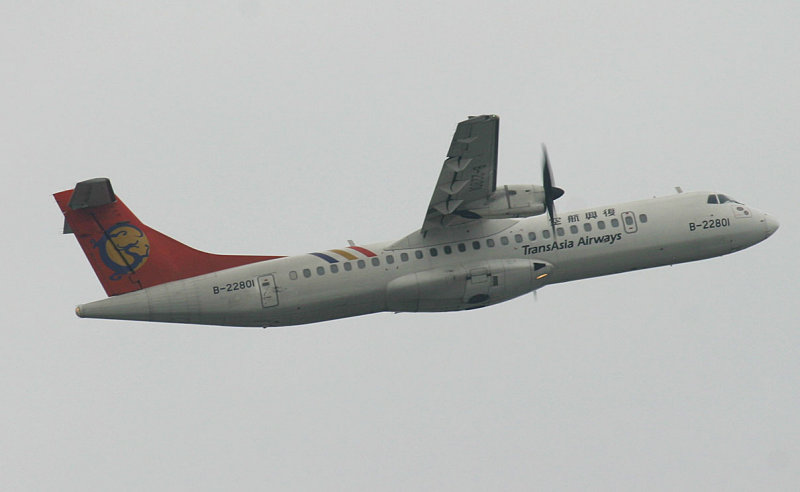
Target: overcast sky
260,127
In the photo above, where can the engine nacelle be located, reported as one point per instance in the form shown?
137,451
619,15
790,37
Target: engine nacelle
508,201
466,287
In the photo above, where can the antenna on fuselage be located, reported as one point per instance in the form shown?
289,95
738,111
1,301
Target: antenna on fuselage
679,189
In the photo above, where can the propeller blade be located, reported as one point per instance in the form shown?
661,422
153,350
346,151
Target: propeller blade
551,192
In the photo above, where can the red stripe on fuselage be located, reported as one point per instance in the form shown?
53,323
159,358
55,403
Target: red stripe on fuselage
363,251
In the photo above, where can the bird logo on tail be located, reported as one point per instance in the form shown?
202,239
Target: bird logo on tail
124,248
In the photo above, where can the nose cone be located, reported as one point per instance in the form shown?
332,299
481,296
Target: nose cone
772,224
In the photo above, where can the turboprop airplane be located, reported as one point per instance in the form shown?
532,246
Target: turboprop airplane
479,244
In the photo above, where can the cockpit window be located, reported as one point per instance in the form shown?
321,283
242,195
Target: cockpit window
720,198
725,199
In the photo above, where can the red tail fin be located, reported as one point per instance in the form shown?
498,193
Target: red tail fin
127,255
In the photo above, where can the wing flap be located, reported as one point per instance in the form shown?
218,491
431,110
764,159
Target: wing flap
454,187
457,164
448,207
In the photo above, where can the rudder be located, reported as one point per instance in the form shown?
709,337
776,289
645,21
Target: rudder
126,254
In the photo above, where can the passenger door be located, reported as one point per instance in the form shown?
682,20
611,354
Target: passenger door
629,222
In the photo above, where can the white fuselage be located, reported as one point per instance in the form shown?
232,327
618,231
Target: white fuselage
463,267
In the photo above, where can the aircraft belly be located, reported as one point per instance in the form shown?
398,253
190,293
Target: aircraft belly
466,286
332,297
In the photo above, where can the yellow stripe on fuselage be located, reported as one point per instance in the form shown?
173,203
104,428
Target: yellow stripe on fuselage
347,255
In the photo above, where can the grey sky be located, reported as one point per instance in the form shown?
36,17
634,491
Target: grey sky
280,128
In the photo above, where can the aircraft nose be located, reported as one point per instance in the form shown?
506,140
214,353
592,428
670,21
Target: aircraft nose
772,224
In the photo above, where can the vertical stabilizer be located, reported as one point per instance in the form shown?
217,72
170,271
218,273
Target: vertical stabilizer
125,254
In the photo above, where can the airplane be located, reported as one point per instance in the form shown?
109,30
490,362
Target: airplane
480,244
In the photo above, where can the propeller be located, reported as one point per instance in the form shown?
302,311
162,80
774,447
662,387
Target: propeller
551,193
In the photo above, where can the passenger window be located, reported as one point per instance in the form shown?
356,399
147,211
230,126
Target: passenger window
462,247
476,245
376,261
389,259
629,220
320,271
712,199
348,266
573,229
306,272
642,218
587,226
490,243
334,268
418,254
293,275
560,231
518,238
403,256
434,252
504,240
531,236
448,250
601,224
361,263
614,223
546,234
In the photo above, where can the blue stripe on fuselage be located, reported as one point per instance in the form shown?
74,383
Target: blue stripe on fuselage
325,257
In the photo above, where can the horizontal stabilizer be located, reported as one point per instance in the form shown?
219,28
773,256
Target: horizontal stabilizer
92,193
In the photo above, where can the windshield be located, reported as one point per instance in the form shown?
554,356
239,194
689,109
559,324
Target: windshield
725,199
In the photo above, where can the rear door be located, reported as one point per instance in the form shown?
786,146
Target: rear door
269,294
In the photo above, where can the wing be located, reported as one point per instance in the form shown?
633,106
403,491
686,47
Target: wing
469,173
